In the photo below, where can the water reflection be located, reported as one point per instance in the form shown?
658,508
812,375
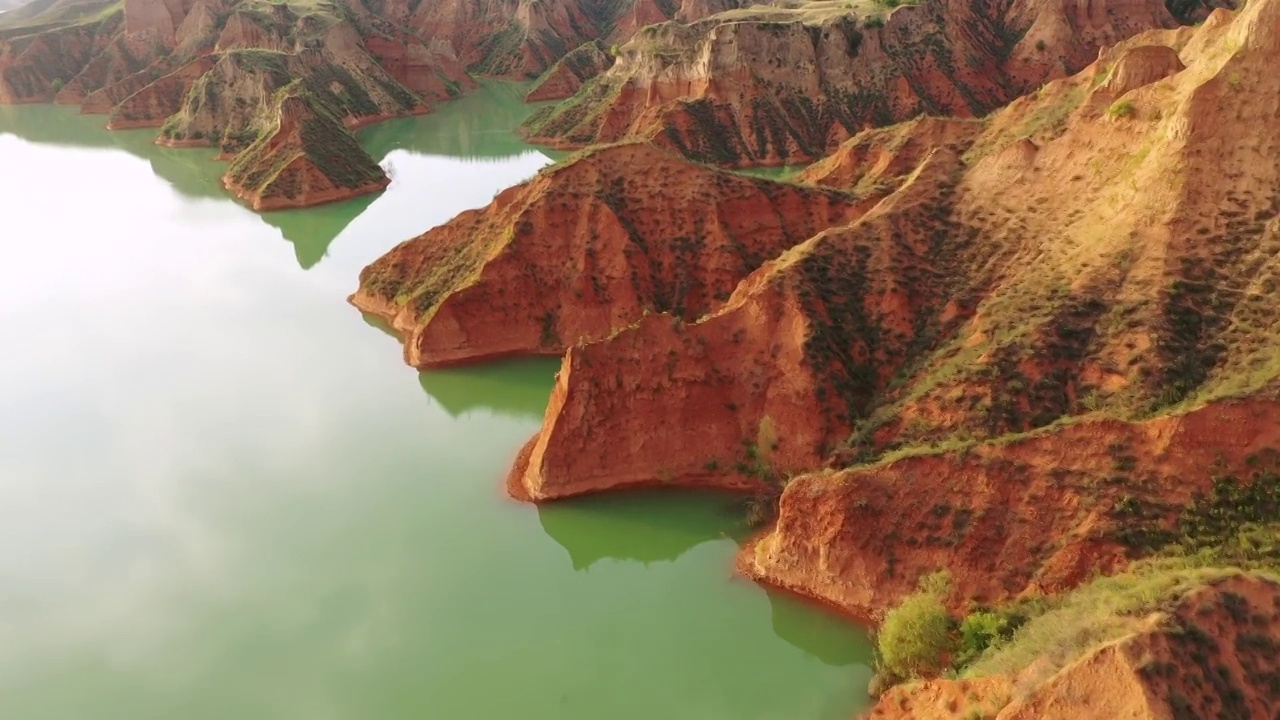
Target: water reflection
311,231
476,126
263,518
516,388
811,629
652,526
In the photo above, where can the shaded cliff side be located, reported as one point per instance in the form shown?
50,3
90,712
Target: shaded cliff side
585,248
771,86
569,73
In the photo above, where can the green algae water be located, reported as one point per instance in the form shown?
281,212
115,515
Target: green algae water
222,494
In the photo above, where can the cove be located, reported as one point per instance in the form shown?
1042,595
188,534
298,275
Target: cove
222,494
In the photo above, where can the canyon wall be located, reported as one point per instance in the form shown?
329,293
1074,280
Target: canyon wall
772,86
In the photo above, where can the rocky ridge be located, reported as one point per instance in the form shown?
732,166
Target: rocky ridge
584,249
781,86
566,77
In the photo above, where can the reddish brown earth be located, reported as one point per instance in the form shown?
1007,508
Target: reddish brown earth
151,104
1106,246
1212,654
585,249
703,89
566,77
511,38
1035,515
282,169
30,64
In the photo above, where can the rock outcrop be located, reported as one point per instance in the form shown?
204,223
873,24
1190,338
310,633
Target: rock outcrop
774,86
1010,282
35,66
566,77
215,73
584,249
305,158
1031,516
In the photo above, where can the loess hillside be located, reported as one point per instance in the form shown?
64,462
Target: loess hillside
786,83
1025,348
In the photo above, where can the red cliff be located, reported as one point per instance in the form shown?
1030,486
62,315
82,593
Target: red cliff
584,249
771,86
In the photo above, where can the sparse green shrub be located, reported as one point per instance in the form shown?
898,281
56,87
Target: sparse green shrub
915,638
981,630
57,85
875,21
1121,109
1041,46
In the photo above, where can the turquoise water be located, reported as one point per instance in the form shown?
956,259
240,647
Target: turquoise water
223,495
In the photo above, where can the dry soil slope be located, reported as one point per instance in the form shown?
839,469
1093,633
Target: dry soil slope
772,87
1210,653
584,249
305,159
1105,246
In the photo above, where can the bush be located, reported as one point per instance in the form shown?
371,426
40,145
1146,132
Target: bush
915,638
981,630
874,21
57,85
1120,109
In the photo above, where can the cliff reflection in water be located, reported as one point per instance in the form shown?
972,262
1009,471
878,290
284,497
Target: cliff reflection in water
651,526
478,126
515,388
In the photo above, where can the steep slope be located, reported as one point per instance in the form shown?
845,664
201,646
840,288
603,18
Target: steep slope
584,249
776,86
566,77
1106,246
34,66
306,158
1205,649
510,38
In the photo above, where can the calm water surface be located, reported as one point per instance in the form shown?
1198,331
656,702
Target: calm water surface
222,495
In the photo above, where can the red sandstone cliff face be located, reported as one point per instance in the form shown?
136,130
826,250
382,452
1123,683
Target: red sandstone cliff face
425,68
566,77
776,88
300,162
161,17
1035,515
998,320
155,101
1045,277
31,65
511,38
794,307
584,249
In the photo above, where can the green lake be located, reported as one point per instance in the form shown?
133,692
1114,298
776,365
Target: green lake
224,496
